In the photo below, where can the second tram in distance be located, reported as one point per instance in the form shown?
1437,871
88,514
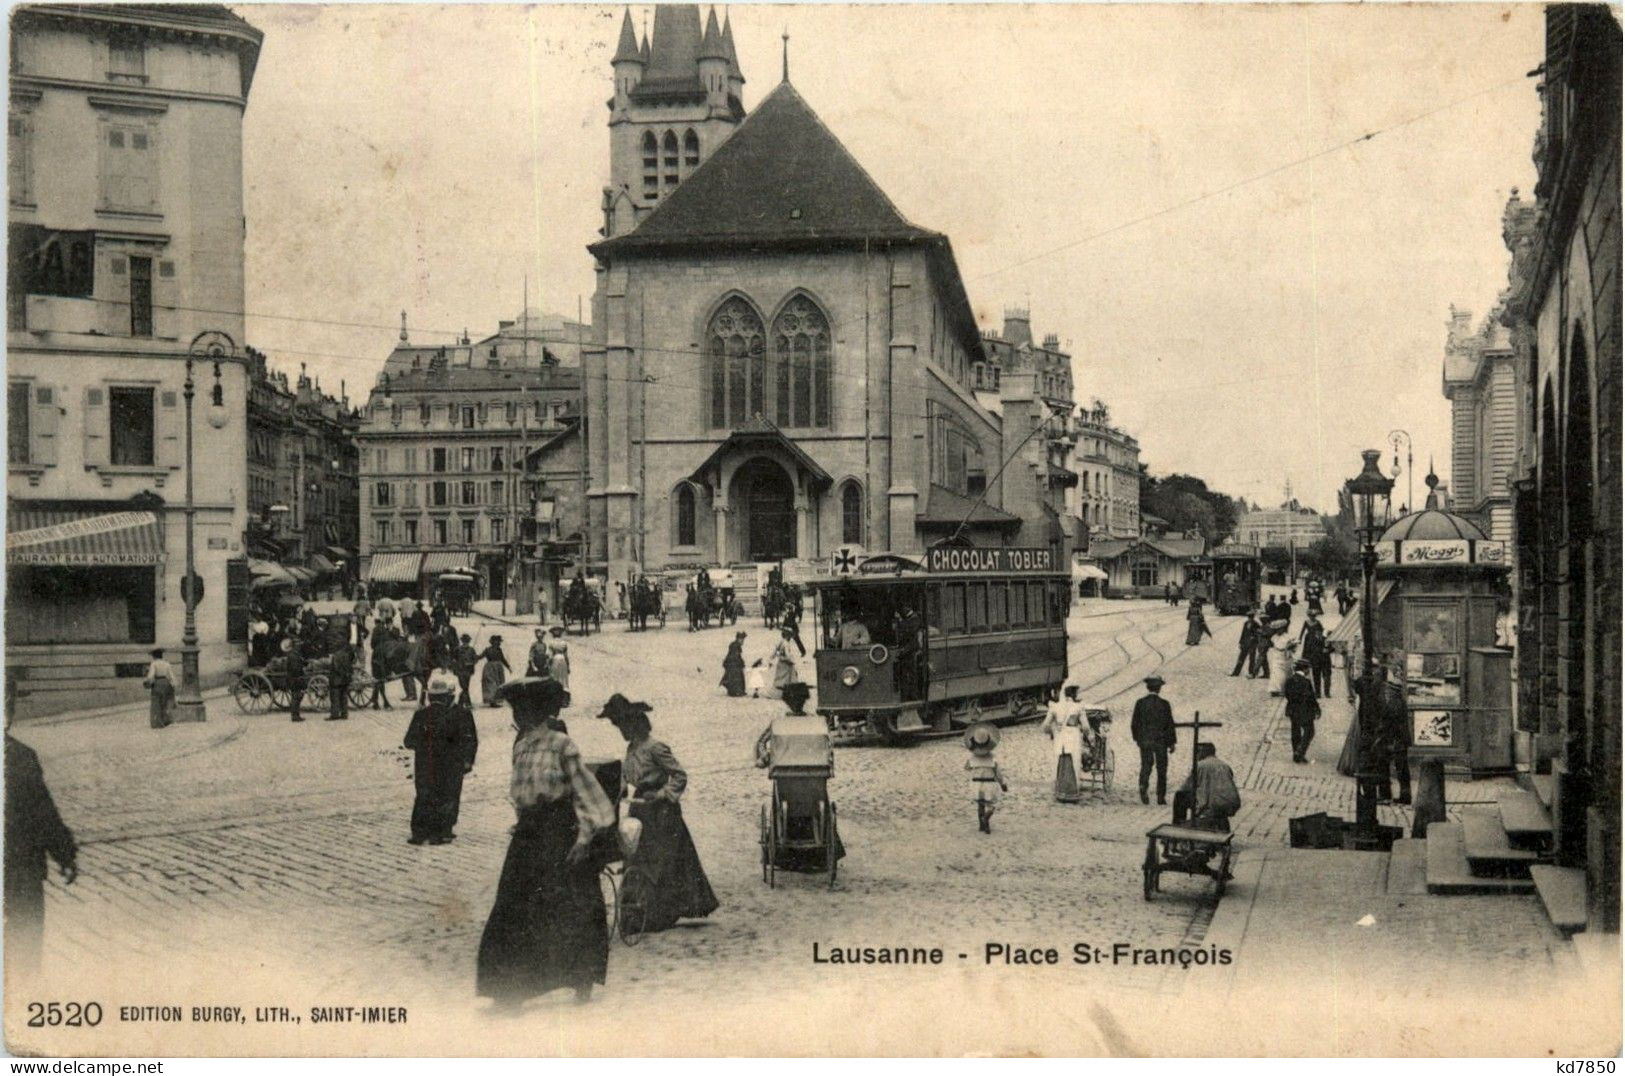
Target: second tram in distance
913,647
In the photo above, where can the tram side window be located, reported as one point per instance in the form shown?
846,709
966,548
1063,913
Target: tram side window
1035,602
1057,605
997,616
1018,605
975,607
953,609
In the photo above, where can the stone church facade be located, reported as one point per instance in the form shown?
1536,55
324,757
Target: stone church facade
782,362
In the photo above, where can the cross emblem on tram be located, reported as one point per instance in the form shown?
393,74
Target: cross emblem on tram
846,561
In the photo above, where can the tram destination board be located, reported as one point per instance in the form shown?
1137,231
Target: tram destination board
999,561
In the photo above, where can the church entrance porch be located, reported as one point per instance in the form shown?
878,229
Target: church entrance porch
766,511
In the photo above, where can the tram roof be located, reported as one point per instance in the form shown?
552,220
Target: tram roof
983,563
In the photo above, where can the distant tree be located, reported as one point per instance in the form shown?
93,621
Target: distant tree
1331,557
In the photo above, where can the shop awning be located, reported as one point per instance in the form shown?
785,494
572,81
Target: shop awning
394,567
338,554
321,565
1081,572
447,561
301,575
267,573
73,538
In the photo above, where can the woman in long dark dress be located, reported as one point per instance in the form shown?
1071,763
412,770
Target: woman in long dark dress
665,881
547,928
733,667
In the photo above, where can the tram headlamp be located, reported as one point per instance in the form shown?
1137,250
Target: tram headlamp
850,676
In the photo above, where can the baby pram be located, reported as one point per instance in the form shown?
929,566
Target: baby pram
798,825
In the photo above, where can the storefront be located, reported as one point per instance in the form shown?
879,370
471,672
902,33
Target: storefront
82,575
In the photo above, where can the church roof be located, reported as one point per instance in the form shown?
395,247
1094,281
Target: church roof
711,46
674,54
728,47
781,176
628,47
944,508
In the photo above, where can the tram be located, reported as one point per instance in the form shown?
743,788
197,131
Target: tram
915,647
1237,572
1199,580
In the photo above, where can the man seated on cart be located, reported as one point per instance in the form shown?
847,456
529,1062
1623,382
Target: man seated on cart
1209,796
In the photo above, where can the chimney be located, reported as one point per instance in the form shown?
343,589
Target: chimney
1052,342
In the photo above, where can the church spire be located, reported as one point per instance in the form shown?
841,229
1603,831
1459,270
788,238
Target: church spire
734,72
785,76
711,47
627,50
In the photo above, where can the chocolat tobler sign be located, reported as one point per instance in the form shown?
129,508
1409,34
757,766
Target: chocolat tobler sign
991,561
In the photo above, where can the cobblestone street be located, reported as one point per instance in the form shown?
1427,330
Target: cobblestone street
262,863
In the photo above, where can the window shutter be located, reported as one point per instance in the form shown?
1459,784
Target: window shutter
167,417
42,423
96,439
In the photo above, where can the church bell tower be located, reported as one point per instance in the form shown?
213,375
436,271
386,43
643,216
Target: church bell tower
677,97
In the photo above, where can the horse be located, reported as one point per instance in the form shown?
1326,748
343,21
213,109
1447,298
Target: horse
644,601
772,604
582,607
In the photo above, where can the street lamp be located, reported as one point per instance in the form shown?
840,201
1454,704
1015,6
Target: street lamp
213,347
1394,439
1364,490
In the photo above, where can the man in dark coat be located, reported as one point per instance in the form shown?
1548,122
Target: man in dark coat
34,830
443,742
1153,730
1244,646
340,670
1312,641
1393,740
463,660
294,669
1302,708
790,619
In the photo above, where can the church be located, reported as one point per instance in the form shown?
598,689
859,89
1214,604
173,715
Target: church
782,362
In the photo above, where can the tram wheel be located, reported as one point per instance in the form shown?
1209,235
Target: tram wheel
884,725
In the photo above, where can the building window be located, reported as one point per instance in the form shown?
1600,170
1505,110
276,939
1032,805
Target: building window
411,459
801,364
411,526
141,297
852,514
440,532
17,429
381,529
691,151
498,531
382,495
1145,573
437,460
130,420
468,531
651,166
470,493
668,153
468,453
512,411
496,492
126,60
425,413
496,459
683,511
468,418
736,346
437,494
129,167
19,158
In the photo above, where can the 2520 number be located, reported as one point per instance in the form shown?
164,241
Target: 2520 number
64,1014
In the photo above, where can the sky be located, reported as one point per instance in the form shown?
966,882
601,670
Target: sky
1184,193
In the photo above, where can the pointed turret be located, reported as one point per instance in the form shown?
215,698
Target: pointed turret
713,65
643,49
736,77
627,50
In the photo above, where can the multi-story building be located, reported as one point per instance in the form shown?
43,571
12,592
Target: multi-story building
1481,382
126,232
1107,462
441,441
303,475
1564,310
1291,526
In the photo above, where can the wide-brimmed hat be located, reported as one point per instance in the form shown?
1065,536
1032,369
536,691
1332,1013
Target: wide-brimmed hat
496,638
1154,681
521,688
556,630
619,707
442,683
981,737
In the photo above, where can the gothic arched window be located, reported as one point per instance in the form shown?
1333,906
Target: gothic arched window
736,347
852,514
668,164
801,364
682,512
691,151
651,166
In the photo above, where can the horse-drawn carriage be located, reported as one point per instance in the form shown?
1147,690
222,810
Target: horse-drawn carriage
268,687
646,599
583,606
456,590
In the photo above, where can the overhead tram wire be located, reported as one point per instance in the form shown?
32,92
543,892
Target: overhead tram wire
1050,252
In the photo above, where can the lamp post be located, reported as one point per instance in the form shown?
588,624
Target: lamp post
189,699
1394,439
1364,490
